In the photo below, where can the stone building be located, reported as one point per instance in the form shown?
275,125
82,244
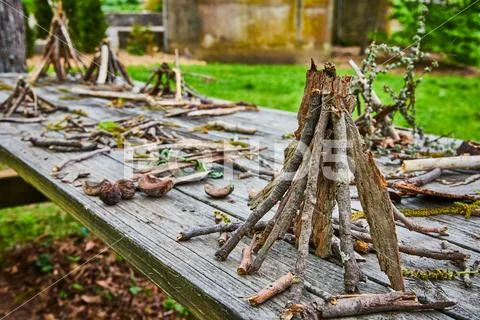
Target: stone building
267,30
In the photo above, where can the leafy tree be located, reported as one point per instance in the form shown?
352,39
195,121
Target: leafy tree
29,33
448,29
90,24
43,14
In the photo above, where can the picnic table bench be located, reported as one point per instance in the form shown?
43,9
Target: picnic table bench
144,230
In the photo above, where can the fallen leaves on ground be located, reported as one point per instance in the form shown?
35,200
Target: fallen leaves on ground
105,287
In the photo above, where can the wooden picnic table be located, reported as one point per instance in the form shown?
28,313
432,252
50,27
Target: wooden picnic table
144,230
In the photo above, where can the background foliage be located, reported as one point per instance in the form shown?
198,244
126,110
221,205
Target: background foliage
86,21
457,36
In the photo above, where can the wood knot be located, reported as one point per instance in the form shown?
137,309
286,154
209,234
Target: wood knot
329,69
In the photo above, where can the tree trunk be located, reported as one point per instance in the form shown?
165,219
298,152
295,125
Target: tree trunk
12,37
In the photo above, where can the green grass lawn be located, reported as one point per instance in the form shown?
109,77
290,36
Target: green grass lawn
446,104
43,221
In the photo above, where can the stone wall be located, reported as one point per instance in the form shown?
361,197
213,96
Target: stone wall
250,30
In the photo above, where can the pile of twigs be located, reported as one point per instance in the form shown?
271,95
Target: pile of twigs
315,177
25,102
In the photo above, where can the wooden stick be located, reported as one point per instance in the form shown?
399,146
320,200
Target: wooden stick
284,180
273,289
116,95
322,221
45,143
178,78
103,68
19,120
228,127
447,195
459,162
246,261
215,112
310,202
421,252
417,227
282,222
352,273
425,178
81,157
355,305
228,227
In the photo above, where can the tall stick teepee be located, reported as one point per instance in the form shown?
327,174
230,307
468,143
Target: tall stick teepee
59,50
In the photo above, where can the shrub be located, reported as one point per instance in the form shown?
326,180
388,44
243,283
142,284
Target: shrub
141,41
86,21
457,35
89,24
29,33
153,5
43,14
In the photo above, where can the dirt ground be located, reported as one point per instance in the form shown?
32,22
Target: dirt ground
340,56
103,285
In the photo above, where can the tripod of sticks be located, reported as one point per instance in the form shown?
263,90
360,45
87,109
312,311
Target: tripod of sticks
25,102
59,51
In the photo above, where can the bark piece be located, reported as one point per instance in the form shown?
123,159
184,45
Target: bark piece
412,189
378,208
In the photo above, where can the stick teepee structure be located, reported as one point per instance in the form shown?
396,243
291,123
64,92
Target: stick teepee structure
59,51
105,67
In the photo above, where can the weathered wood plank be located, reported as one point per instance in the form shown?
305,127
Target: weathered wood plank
186,271
150,227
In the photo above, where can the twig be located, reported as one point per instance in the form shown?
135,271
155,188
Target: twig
229,227
20,120
355,305
459,162
228,127
309,205
417,227
421,252
425,178
352,271
246,261
82,157
273,289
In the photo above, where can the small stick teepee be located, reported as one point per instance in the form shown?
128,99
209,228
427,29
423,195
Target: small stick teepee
161,82
59,51
105,67
26,102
